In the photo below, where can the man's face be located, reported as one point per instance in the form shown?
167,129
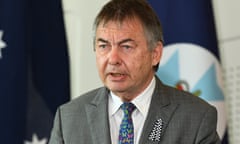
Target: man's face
124,62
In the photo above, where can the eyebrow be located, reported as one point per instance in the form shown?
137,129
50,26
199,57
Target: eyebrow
102,40
126,40
121,42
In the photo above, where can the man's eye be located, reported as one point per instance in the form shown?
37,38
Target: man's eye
126,46
102,46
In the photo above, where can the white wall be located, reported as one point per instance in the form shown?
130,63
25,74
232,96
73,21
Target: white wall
79,16
228,26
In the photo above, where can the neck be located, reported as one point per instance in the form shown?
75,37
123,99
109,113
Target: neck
131,94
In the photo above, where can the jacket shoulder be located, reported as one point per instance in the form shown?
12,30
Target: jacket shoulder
186,98
82,100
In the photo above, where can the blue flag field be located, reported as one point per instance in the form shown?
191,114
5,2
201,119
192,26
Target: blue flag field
34,69
190,59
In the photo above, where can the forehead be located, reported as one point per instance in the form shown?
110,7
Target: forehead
127,26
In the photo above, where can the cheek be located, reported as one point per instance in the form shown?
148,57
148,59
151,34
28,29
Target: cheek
100,68
141,62
101,63
147,63
145,58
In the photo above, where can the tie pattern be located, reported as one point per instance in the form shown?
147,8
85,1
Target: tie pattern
126,133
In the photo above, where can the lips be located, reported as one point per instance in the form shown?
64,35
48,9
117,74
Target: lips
116,76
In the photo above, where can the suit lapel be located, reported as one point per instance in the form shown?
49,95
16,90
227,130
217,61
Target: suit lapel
97,116
160,110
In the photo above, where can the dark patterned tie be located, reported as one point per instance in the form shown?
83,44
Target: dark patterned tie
126,133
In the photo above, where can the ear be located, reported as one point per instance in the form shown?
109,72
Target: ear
157,53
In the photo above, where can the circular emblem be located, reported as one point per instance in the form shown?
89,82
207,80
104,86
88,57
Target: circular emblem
194,69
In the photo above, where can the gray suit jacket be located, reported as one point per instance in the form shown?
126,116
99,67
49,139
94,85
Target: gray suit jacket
186,119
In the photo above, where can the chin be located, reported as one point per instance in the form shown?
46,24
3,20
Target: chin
117,89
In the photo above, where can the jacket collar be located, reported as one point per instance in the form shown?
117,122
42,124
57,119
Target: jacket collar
97,116
160,112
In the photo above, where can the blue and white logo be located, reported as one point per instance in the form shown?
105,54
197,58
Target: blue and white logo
194,69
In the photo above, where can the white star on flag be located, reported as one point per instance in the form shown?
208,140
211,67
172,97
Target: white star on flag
35,140
2,43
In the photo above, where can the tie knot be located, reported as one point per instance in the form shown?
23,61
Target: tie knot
128,108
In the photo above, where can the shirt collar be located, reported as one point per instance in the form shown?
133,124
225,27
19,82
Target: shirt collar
142,101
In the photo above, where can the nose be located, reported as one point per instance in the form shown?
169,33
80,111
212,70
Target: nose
114,57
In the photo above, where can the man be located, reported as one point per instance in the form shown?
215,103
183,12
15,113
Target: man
128,45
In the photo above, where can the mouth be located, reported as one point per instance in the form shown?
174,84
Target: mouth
117,76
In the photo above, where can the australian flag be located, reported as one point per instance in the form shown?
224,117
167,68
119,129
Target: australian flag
191,58
34,69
